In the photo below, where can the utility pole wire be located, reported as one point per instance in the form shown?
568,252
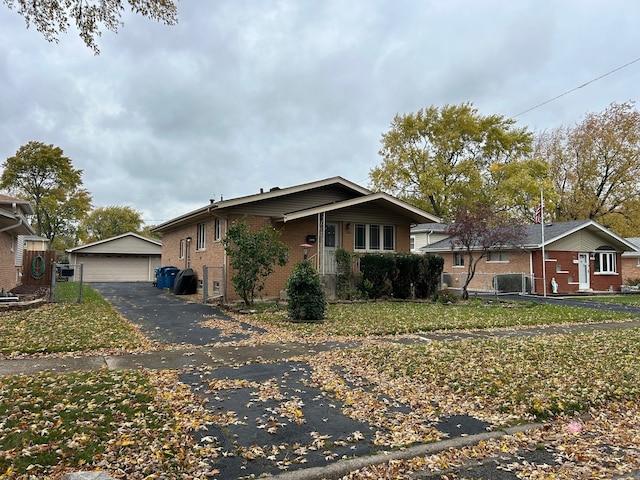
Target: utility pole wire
577,88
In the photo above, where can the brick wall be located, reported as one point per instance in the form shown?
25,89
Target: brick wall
483,278
293,233
630,269
8,271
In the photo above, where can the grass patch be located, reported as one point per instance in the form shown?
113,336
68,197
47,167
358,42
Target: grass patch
54,422
67,327
631,299
392,318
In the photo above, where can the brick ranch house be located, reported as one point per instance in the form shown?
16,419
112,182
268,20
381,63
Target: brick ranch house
326,214
13,225
631,262
581,255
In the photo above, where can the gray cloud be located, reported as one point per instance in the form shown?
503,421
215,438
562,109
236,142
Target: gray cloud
243,95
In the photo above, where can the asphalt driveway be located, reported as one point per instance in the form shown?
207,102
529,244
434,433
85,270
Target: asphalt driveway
166,318
273,417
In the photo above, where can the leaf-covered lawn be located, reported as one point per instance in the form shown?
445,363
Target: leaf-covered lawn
501,380
131,424
621,299
393,318
68,327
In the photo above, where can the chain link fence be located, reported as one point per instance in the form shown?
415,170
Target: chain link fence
490,282
66,283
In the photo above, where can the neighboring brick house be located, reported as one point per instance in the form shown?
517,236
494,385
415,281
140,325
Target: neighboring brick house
327,214
631,262
13,224
582,256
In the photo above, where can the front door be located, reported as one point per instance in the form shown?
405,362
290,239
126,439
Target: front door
583,271
331,244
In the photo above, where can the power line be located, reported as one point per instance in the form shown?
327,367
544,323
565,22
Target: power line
577,88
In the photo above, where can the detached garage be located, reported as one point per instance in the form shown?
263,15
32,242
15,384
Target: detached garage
126,258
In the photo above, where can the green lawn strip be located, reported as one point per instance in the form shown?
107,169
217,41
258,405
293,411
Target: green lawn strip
521,378
67,327
392,318
53,421
631,299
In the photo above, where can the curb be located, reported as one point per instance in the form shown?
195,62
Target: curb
341,468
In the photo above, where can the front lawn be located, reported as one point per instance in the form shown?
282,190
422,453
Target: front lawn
68,327
133,424
632,299
393,318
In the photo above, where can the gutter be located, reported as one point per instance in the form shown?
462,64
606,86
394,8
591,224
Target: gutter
11,227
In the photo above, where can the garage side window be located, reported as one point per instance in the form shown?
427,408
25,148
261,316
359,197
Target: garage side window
182,248
202,236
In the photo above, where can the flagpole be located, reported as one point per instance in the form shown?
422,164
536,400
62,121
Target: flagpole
544,263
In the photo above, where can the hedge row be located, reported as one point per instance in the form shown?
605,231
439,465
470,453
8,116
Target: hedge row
400,275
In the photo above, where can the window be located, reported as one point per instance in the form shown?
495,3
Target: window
217,230
605,262
412,242
388,232
202,237
497,256
330,238
374,237
458,259
182,248
361,237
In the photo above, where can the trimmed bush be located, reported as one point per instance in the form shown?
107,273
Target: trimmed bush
428,275
307,300
377,272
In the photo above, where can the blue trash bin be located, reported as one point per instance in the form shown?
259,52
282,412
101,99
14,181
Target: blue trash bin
170,276
165,280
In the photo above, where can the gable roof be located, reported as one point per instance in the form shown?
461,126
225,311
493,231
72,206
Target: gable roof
430,228
350,195
121,244
635,241
552,233
379,199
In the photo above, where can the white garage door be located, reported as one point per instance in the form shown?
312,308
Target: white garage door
118,269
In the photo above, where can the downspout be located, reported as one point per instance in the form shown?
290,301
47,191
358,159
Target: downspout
531,272
320,240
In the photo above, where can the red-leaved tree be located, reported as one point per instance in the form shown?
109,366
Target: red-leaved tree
478,229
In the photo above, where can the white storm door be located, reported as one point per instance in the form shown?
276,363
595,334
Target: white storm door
583,271
331,244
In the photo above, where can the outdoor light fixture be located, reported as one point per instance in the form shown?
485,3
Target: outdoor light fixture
305,249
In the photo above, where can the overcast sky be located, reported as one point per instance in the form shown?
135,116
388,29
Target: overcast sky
245,94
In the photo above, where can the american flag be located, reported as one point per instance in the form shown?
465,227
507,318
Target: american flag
537,217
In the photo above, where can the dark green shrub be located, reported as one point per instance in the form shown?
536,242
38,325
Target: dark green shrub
405,275
445,296
377,272
633,282
428,275
306,295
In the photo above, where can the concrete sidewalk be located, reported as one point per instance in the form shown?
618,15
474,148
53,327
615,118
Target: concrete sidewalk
174,359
